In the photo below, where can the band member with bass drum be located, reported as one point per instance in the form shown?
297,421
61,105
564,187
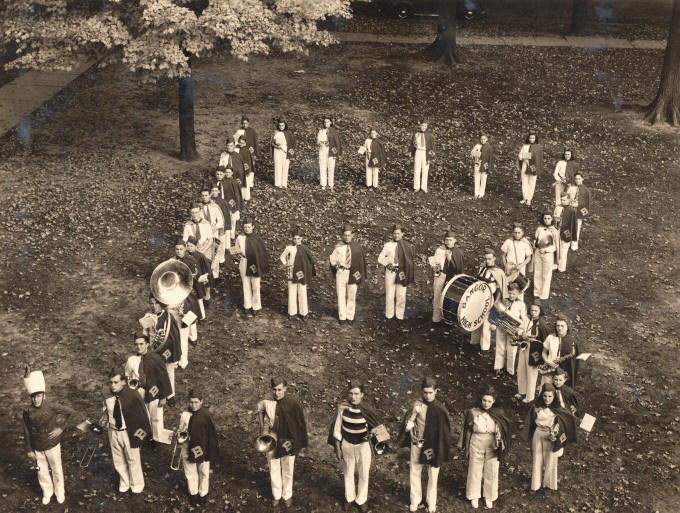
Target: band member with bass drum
447,262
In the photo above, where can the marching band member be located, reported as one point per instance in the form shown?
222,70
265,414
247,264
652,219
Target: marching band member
564,173
397,258
565,396
506,352
234,200
560,350
199,280
447,261
300,269
530,165
348,263
129,428
200,448
516,253
248,159
252,266
374,151
422,153
283,150
330,148
164,333
216,194
154,383
202,231
249,135
427,432
213,215
546,242
284,416
482,157
530,356
486,437
231,158
495,277
204,270
349,435
550,428
581,201
44,424
568,230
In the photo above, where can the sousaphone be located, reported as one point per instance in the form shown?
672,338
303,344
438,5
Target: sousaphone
171,282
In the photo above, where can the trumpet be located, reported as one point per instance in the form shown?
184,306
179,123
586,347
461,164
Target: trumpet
133,383
181,437
96,428
416,439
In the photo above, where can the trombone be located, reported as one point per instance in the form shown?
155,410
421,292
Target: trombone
181,436
96,429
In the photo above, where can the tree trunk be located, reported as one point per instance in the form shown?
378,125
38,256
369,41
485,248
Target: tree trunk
579,16
444,48
666,106
187,138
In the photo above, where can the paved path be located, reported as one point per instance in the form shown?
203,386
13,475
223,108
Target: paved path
21,97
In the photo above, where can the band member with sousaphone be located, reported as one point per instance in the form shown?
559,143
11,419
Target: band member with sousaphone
284,420
374,152
486,437
348,264
253,265
397,257
516,254
560,350
530,355
199,449
426,431
447,262
299,263
530,165
546,252
498,282
350,434
129,428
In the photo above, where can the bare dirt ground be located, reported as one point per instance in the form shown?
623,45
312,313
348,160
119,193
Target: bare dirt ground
95,198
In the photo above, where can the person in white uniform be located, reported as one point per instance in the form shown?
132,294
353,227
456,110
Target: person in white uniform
422,152
397,258
374,152
330,149
299,265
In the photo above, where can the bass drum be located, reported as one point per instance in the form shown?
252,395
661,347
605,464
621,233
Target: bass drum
466,302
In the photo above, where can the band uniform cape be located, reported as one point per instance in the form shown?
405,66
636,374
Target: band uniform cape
503,433
454,266
567,345
251,142
136,416
569,397
256,256
232,194
334,142
583,197
487,154
357,268
203,268
247,158
166,334
236,164
202,437
566,427
429,146
154,376
406,272
436,436
39,422
225,209
303,266
289,425
291,143
568,227
495,275
551,239
540,331
372,421
377,153
535,166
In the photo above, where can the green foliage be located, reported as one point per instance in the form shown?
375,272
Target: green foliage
158,38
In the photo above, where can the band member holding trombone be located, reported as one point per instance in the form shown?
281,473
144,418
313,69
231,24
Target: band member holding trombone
282,420
485,438
44,424
350,435
446,262
426,430
397,257
129,428
299,271
198,438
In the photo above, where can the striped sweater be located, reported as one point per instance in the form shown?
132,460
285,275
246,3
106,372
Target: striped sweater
354,428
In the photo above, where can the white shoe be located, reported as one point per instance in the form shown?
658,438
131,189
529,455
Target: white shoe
46,500
61,499
474,503
122,489
523,202
488,503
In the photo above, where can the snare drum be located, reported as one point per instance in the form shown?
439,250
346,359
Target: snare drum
466,302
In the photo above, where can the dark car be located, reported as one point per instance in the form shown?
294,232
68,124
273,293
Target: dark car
465,9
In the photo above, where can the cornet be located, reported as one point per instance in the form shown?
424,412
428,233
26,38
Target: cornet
133,383
96,428
415,436
180,437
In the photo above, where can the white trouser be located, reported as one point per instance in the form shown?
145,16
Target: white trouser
579,223
544,461
245,192
49,462
127,461
395,296
279,167
438,288
480,182
250,181
482,336
156,417
372,176
416,484
420,169
543,269
281,475
356,458
505,352
559,189
251,288
233,217
297,299
197,474
202,307
564,250
346,295
482,466
170,367
326,167
528,186
222,247
526,376
184,345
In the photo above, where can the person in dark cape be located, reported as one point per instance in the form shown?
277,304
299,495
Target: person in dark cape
249,135
426,431
568,231
252,266
581,201
498,282
349,435
164,335
486,438
231,158
397,257
348,264
129,428
200,450
530,165
330,148
529,356
421,150
374,152
565,396
564,173
448,260
284,146
205,275
300,269
482,157
248,159
198,287
549,428
234,200
285,417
